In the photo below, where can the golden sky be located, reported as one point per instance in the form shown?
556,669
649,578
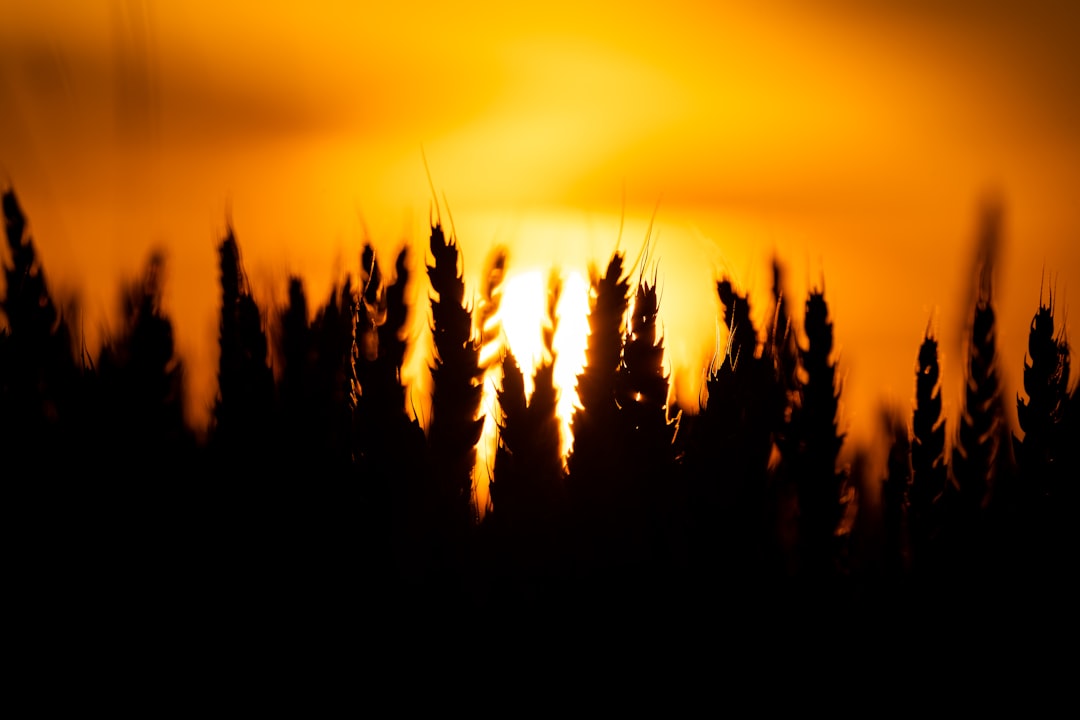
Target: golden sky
855,139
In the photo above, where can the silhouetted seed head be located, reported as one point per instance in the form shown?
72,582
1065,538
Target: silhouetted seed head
392,333
456,424
512,394
742,336
487,311
14,220
976,449
818,327
593,461
297,298
606,316
551,323
372,283
28,305
929,471
928,353
1042,416
444,272
496,272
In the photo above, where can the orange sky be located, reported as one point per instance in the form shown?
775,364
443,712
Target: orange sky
855,139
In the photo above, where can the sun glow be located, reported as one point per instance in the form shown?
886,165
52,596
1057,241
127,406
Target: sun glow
522,317
523,313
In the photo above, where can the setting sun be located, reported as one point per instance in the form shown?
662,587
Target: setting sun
524,316
522,319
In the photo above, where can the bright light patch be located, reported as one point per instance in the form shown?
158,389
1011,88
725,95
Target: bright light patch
523,313
522,316
571,339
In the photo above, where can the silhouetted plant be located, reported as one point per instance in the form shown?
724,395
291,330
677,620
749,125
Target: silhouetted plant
595,417
371,309
970,540
245,383
822,489
528,464
728,458
648,488
487,311
1041,417
38,374
316,389
142,385
393,334
545,398
642,383
784,351
525,517
373,292
742,335
296,359
1070,433
492,342
507,491
895,498
344,476
27,304
391,446
381,351
595,464
455,404
976,448
929,467
1036,506
334,331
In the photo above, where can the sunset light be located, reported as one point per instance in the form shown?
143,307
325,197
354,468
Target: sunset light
546,301
522,319
524,316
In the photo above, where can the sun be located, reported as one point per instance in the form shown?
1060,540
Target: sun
521,318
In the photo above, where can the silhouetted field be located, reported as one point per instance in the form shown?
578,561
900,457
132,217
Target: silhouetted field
316,489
